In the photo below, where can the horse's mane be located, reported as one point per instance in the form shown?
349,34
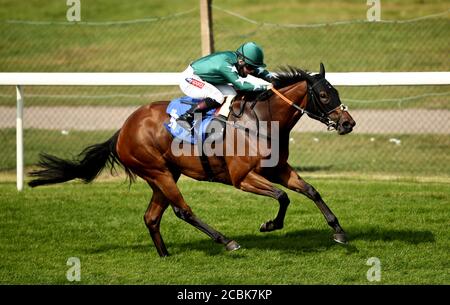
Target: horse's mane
286,76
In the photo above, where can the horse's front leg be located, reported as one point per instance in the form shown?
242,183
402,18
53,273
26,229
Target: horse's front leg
255,183
290,179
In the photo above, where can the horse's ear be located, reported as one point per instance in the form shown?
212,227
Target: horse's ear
322,70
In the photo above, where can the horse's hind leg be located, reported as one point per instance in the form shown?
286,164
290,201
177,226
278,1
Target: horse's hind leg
152,219
167,185
290,179
257,184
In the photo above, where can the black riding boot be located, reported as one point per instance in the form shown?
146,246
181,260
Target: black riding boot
185,120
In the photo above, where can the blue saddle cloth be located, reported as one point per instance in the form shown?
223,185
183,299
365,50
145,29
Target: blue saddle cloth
179,106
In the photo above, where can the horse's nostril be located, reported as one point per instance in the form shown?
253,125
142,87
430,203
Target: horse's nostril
347,125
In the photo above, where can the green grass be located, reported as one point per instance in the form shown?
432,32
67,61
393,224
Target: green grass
403,223
289,11
140,47
53,142
416,155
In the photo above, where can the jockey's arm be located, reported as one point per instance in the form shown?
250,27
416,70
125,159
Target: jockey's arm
263,74
240,83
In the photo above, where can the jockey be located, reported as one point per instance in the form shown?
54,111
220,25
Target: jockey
221,68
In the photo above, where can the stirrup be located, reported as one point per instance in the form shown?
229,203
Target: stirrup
185,121
185,125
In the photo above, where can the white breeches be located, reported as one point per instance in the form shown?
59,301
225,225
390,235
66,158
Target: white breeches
195,87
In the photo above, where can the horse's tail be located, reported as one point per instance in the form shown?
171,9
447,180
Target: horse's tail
86,167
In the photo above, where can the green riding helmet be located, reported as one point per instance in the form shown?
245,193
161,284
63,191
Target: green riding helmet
252,54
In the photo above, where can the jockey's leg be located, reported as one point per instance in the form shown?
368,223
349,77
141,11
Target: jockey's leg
203,107
195,87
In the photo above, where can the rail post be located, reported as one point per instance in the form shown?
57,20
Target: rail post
19,137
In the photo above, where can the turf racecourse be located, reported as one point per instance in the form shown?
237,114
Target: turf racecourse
404,223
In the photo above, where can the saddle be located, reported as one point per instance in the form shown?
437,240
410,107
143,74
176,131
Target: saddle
201,128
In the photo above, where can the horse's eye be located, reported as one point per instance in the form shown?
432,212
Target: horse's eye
323,95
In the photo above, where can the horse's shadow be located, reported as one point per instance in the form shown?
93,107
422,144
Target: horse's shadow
313,240
290,242
299,241
301,169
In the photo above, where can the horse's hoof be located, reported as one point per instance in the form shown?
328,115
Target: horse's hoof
232,246
269,226
340,238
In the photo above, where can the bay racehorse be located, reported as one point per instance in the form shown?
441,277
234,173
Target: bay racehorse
143,146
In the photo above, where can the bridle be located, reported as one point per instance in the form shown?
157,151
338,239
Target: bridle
323,115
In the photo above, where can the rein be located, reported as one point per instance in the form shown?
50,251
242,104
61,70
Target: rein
322,118
241,109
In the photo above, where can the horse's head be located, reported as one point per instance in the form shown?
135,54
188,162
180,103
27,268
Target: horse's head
325,105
